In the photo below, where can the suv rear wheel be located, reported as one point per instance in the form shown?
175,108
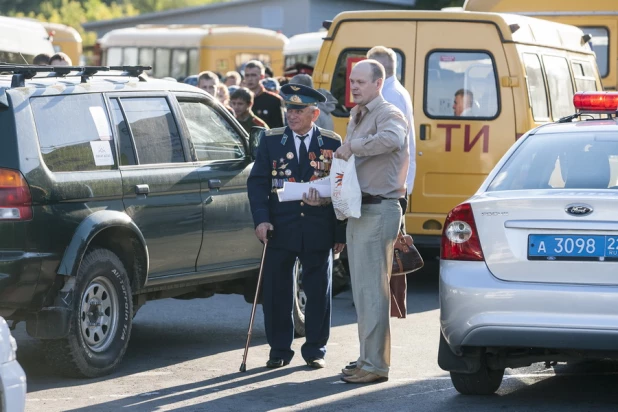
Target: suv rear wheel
101,320
483,382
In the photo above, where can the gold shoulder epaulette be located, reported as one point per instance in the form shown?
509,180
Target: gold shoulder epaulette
329,133
276,131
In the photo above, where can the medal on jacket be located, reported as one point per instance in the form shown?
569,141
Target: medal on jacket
312,158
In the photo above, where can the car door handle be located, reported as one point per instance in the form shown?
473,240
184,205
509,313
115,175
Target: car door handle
214,184
142,189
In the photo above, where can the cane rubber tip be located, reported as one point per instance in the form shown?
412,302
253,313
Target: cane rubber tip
243,368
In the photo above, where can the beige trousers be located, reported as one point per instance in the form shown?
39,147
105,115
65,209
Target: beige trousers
370,241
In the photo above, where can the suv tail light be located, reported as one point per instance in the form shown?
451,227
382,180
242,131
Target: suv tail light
460,239
15,199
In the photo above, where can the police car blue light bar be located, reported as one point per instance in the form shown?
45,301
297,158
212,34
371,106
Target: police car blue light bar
599,102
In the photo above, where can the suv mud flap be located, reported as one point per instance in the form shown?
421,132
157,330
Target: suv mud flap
49,323
448,361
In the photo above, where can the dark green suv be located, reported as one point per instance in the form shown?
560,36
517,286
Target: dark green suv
115,190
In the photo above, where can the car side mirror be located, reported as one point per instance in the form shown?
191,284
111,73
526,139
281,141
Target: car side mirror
254,140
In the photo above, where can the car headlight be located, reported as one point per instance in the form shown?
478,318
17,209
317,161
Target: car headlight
13,354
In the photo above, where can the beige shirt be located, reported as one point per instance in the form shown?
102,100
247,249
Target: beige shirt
380,145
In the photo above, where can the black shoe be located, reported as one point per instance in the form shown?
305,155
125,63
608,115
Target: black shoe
276,363
316,363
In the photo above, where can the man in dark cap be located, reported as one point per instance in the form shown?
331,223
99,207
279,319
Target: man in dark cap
306,229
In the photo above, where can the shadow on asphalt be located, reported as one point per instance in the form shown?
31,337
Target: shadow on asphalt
591,389
171,331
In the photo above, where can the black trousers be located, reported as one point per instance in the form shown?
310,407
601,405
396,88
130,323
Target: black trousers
278,301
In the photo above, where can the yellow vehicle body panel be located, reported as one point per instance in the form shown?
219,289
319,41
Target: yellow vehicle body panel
455,154
209,47
591,14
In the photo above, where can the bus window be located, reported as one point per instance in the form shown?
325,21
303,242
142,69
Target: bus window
340,78
129,56
162,63
536,87
599,44
242,58
179,64
468,78
113,56
560,86
194,62
584,76
146,58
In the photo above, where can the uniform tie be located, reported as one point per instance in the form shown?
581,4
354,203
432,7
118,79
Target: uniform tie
303,155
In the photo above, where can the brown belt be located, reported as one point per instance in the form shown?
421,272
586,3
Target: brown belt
371,200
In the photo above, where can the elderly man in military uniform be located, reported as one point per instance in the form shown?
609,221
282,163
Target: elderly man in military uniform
306,229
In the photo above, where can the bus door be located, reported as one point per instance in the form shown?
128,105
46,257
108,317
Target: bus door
464,119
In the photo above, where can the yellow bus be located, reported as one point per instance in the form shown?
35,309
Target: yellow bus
517,72
67,40
179,51
22,39
599,18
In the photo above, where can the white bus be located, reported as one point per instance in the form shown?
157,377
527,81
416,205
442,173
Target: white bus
22,39
303,48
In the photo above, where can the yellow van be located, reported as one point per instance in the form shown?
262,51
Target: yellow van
65,39
520,71
599,18
182,50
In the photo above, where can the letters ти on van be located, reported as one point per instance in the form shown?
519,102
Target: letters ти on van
513,73
598,18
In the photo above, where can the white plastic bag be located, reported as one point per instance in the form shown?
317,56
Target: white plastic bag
345,190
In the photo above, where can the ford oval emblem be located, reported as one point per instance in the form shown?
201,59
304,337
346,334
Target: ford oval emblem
579,210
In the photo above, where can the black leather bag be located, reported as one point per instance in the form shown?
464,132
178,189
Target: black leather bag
406,258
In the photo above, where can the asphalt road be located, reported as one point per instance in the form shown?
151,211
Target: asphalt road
185,355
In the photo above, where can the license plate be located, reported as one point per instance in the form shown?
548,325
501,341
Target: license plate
573,247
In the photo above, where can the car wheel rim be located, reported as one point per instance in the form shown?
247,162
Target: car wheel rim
99,314
301,297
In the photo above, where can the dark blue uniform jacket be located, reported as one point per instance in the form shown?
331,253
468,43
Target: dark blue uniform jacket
298,226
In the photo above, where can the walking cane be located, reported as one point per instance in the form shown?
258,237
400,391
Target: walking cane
243,365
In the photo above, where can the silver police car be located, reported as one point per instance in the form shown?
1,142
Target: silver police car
529,264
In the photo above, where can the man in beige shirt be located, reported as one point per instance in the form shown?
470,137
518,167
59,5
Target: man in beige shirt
377,136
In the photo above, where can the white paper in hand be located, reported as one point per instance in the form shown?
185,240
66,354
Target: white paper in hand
345,190
294,191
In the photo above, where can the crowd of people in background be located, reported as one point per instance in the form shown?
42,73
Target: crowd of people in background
254,97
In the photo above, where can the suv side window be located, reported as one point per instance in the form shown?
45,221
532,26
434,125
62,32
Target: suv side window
340,85
212,136
154,130
465,77
127,154
74,132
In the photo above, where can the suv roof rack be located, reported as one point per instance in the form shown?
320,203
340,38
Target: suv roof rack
22,72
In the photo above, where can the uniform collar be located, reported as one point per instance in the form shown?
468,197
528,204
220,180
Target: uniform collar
310,133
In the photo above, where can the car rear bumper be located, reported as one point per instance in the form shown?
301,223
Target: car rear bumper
477,309
13,381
